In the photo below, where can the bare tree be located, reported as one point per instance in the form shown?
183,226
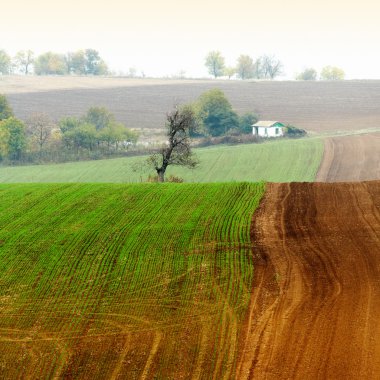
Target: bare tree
177,151
272,67
39,128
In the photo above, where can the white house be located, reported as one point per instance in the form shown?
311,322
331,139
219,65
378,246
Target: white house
268,129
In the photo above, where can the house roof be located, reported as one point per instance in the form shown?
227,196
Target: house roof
266,123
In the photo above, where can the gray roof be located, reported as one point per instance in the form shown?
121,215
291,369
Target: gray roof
265,123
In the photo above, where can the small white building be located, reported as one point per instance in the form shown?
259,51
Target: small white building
268,129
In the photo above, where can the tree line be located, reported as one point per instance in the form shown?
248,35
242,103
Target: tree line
264,67
327,73
96,134
80,62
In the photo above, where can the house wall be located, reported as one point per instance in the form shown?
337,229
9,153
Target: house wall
270,132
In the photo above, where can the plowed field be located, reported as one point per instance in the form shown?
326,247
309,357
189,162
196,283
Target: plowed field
350,158
142,103
315,304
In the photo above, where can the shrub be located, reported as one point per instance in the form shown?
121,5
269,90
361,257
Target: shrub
175,179
294,132
171,178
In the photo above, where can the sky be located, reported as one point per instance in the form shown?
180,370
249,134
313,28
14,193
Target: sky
164,37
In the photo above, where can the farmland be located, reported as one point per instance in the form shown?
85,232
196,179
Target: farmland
279,161
189,281
141,104
108,281
315,301
102,277
350,158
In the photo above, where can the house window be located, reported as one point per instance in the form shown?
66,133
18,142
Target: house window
277,131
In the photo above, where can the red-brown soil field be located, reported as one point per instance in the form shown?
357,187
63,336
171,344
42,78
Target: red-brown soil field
316,298
142,103
215,288
350,158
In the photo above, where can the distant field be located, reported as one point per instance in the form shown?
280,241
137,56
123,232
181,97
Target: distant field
142,103
124,281
275,161
350,158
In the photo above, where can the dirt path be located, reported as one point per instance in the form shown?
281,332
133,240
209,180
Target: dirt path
316,301
351,158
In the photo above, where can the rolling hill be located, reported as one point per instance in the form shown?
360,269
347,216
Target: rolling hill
315,299
190,281
141,104
124,281
196,280
279,161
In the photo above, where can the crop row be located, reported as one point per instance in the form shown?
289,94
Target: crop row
274,161
105,280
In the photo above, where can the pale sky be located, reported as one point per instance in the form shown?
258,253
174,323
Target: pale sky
163,37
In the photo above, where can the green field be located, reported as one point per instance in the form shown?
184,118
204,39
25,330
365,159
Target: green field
124,281
275,161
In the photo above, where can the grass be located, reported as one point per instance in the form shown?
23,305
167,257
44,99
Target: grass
275,161
105,280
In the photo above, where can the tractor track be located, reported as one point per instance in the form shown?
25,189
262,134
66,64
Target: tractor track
316,297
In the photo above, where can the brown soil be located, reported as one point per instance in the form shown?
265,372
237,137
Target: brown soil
351,158
316,298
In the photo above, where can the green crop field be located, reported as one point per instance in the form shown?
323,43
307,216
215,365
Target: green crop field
275,161
124,281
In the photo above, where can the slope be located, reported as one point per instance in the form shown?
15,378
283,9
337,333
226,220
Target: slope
142,103
316,296
124,281
350,158
278,161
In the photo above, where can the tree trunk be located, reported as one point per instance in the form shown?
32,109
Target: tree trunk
161,174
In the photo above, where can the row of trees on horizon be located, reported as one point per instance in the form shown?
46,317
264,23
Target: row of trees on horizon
80,62
264,67
89,62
